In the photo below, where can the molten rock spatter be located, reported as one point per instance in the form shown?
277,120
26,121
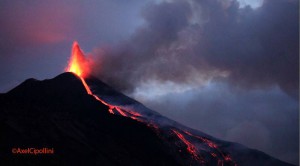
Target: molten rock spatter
78,63
80,66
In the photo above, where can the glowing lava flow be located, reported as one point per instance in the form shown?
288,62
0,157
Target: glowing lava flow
190,147
214,146
80,66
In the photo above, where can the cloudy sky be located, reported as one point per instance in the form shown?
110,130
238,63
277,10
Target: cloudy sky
225,67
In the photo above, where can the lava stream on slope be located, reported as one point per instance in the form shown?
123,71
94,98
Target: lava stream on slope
79,65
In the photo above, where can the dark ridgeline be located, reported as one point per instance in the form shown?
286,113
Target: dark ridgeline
58,113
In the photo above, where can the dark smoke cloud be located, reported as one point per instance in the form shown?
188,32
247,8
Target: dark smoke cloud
140,57
259,47
255,47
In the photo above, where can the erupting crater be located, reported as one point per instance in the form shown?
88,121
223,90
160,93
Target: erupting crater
80,66
190,145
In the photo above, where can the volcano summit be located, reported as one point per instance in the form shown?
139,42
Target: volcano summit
83,121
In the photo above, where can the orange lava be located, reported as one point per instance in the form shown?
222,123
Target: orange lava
87,88
120,111
212,145
190,147
78,63
111,111
136,114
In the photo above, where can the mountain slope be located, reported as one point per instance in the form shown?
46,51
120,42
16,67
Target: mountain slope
205,144
59,114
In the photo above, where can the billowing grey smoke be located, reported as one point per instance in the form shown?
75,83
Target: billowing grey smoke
183,40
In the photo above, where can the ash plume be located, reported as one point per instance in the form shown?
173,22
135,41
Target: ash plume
190,42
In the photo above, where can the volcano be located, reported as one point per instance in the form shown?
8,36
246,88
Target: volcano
80,120
58,113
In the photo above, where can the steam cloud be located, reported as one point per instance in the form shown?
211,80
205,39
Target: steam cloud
182,41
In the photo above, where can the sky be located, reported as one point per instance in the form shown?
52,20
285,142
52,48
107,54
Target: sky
229,68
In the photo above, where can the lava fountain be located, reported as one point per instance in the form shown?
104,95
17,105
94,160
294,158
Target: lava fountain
78,63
